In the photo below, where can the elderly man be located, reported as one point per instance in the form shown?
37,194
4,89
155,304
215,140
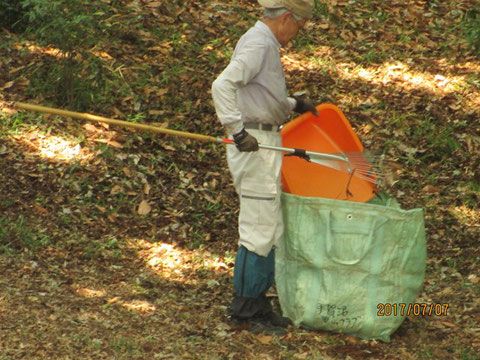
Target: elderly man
251,101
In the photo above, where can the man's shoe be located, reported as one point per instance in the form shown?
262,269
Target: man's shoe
262,326
258,325
238,324
278,320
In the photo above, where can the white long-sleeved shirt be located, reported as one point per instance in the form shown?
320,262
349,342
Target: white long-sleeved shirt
252,87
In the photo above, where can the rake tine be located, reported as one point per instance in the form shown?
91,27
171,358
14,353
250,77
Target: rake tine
367,178
369,171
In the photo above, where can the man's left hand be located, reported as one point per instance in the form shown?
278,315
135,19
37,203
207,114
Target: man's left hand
305,105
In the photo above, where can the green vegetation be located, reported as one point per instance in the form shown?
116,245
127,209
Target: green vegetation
72,75
16,235
12,14
471,26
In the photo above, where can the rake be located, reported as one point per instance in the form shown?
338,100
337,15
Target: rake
356,163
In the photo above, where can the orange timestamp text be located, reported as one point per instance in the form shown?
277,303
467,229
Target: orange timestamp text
415,309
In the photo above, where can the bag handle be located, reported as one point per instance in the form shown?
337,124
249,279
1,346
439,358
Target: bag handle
377,222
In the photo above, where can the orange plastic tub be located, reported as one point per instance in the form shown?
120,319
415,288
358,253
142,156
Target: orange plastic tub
330,132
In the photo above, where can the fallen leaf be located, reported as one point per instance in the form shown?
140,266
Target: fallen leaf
264,339
431,189
112,143
154,4
473,279
40,210
144,208
90,293
90,127
115,144
118,112
352,340
301,356
209,199
7,85
407,149
168,147
146,188
156,112
23,83
162,92
160,124
367,128
211,30
224,326
116,189
3,150
447,291
448,324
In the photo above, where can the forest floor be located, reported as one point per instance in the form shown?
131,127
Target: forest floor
117,244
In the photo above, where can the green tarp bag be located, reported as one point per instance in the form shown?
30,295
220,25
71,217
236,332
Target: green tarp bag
349,267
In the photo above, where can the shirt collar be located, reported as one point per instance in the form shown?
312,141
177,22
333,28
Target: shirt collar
266,30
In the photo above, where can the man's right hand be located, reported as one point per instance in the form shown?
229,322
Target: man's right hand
305,105
245,142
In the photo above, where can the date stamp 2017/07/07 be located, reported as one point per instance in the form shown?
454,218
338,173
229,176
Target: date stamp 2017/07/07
415,309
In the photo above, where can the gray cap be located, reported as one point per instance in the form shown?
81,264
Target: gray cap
302,8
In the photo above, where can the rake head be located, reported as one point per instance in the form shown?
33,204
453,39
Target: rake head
357,163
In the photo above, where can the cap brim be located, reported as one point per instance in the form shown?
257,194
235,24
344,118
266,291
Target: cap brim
271,4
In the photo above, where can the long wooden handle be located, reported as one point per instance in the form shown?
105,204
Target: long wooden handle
320,158
90,117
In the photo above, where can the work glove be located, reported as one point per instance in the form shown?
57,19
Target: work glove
245,142
304,106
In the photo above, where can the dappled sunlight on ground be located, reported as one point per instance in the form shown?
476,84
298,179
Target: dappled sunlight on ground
89,293
6,109
142,306
467,216
35,49
403,76
41,143
53,147
52,51
57,148
139,305
395,73
165,255
176,263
